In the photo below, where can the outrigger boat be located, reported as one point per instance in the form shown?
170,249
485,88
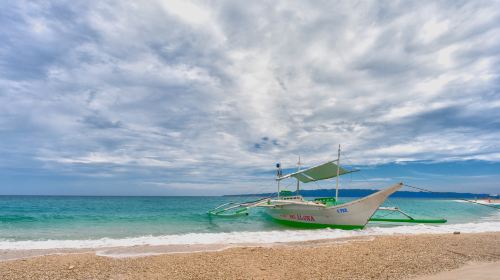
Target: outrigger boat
294,210
493,200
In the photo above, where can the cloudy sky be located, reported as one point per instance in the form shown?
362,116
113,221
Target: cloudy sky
204,97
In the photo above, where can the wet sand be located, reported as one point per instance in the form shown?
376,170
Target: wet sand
384,257
483,271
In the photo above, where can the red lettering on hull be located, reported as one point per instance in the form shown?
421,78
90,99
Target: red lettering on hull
297,217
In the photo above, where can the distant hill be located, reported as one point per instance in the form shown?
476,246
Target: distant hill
365,192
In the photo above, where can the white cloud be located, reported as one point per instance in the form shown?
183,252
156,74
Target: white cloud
228,88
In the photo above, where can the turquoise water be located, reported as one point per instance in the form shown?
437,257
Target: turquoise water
25,218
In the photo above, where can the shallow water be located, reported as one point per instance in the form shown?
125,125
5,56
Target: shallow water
30,222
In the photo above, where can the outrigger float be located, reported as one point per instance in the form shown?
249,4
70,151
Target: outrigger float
294,210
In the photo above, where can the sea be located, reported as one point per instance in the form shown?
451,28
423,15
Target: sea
51,222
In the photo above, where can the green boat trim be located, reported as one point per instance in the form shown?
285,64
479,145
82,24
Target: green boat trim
286,193
226,213
328,201
406,219
311,225
418,221
325,199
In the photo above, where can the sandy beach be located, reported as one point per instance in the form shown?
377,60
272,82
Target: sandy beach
384,257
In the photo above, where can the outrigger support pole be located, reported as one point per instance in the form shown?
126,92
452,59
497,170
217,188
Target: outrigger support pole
338,171
396,209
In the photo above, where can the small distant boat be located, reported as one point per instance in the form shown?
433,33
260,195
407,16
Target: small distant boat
492,200
294,210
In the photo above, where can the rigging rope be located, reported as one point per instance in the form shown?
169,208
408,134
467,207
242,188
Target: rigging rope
426,190
467,200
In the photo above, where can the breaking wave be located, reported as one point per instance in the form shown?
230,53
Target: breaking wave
247,237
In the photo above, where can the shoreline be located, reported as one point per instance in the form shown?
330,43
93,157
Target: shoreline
230,238
138,251
388,257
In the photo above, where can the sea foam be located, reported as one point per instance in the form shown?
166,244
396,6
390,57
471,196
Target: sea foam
249,237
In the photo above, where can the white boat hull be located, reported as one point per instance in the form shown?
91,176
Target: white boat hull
351,215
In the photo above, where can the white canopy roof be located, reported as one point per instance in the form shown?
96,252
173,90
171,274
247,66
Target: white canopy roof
317,173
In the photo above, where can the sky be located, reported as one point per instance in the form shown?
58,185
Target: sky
204,97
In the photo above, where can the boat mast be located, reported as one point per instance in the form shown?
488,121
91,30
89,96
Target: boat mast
278,177
338,171
279,189
298,182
